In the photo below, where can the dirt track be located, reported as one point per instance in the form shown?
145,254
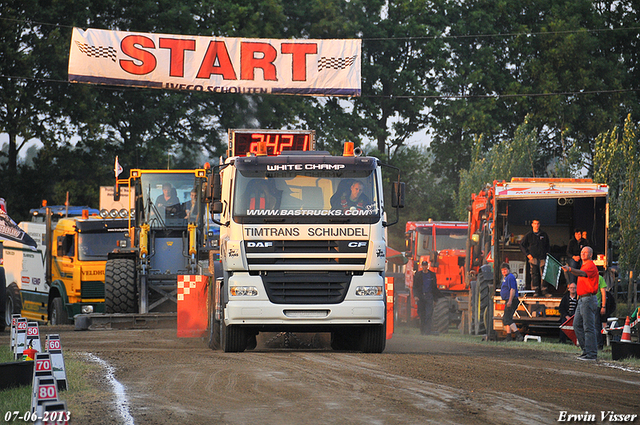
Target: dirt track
417,380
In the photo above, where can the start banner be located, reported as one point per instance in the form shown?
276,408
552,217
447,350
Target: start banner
216,64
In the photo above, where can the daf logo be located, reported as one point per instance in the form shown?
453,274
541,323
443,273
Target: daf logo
259,244
357,244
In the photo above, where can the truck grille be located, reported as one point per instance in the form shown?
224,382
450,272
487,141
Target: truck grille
91,289
312,252
306,288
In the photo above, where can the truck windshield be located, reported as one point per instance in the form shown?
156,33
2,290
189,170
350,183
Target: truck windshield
307,197
167,197
96,246
446,238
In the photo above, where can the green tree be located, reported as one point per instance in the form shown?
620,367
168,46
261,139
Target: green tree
617,163
546,51
517,157
18,90
399,55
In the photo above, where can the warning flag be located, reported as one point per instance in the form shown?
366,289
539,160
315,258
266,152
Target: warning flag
117,168
551,273
567,328
9,230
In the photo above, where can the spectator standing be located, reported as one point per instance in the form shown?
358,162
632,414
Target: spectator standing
425,291
574,247
568,307
601,313
587,242
585,316
509,293
535,246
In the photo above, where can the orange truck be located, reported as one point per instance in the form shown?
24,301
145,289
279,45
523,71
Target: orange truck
499,217
444,241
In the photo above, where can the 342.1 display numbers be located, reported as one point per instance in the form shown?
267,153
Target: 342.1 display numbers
242,142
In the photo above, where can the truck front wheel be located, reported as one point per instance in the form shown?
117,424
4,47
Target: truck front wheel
373,338
58,314
120,286
214,330
13,304
233,338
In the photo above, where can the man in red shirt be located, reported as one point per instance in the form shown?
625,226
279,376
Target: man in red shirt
584,323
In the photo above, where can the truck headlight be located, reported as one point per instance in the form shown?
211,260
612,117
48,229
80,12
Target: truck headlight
243,291
86,309
369,290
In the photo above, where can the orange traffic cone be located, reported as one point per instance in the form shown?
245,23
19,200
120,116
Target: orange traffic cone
626,332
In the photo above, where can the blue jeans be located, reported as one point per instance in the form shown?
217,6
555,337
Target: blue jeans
585,327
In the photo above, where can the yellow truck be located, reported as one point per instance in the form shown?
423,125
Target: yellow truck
64,275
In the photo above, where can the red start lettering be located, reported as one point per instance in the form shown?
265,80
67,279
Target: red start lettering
216,60
130,48
257,55
299,54
217,53
176,57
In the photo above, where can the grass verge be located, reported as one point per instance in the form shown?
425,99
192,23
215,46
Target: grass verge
78,373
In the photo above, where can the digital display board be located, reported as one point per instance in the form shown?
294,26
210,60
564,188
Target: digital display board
242,142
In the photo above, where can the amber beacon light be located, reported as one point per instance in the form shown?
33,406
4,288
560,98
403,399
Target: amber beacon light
348,149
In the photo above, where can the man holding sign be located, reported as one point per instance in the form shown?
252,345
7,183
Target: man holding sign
584,320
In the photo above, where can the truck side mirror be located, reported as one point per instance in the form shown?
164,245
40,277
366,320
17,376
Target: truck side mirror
217,187
397,195
216,207
116,193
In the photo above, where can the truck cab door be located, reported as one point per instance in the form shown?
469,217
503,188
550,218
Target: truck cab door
63,261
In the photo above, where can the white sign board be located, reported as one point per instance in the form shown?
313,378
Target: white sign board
216,64
107,202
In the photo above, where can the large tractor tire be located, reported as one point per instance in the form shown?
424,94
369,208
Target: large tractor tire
13,303
484,298
120,286
373,338
441,319
57,313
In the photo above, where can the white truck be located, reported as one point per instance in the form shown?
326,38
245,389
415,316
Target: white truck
299,251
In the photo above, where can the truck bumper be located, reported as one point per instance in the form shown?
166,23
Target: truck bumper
259,310
265,313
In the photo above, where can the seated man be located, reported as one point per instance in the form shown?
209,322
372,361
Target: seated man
189,207
260,196
168,197
168,200
353,198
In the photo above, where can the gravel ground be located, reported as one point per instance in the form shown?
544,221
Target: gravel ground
417,380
